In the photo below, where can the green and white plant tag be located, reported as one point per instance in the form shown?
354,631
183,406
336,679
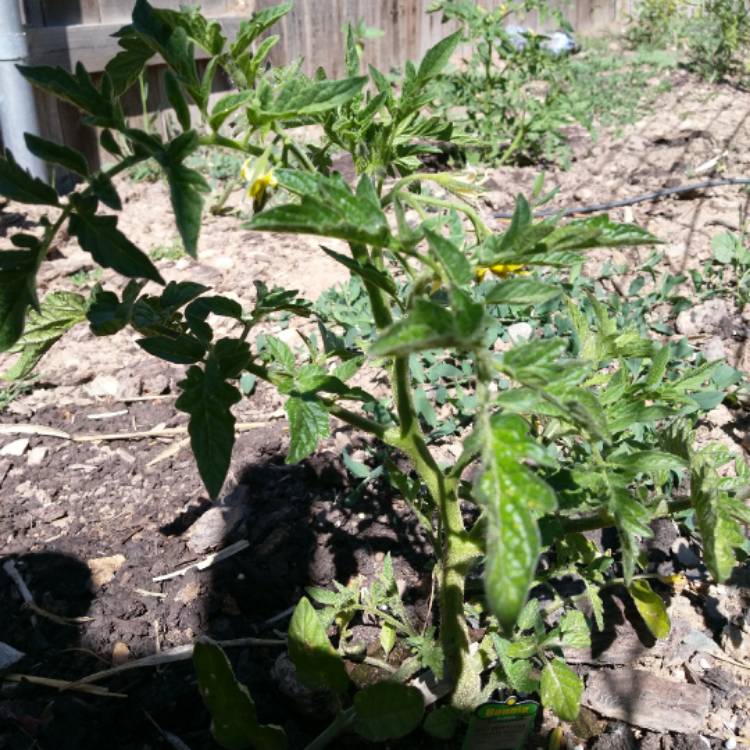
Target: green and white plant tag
501,725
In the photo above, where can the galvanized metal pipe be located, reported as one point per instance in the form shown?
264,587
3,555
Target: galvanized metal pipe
18,113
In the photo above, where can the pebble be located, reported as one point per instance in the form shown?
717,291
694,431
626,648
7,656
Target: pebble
714,350
520,332
702,318
213,527
104,385
9,655
103,569
15,448
686,556
731,743
120,654
36,456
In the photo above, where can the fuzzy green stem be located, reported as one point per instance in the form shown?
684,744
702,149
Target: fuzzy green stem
480,228
214,139
600,520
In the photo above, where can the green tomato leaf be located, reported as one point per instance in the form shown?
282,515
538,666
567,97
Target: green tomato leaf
317,663
650,607
125,67
54,153
181,350
366,272
17,184
451,258
106,314
208,399
226,106
597,605
574,630
599,231
429,651
17,293
648,462
79,90
261,20
58,313
530,617
186,189
718,530
427,326
437,57
234,722
99,235
327,208
520,291
177,100
166,35
387,637
561,689
308,424
300,96
512,497
387,711
442,723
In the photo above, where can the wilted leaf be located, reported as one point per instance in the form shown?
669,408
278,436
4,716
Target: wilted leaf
650,607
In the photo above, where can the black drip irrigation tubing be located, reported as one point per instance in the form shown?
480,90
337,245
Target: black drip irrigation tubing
595,207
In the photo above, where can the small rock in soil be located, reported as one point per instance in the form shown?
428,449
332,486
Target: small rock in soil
15,447
188,593
686,742
621,738
703,318
587,724
120,653
714,349
212,528
9,655
310,703
648,701
685,556
104,386
36,456
735,642
103,569
520,332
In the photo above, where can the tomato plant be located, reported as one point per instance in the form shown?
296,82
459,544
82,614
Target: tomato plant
586,427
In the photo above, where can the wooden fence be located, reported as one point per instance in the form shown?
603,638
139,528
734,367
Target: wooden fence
65,32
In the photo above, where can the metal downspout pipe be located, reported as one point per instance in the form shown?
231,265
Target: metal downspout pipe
18,113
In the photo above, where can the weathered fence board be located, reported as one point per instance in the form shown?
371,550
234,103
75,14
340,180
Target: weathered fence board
65,32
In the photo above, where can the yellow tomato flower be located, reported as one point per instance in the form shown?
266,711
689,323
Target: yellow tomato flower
258,188
260,178
501,270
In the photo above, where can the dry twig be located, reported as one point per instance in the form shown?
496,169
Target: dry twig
207,562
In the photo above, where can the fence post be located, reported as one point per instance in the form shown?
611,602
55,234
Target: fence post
18,113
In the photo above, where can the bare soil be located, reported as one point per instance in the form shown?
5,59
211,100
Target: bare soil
65,516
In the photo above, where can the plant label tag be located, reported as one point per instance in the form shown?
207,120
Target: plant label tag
501,726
